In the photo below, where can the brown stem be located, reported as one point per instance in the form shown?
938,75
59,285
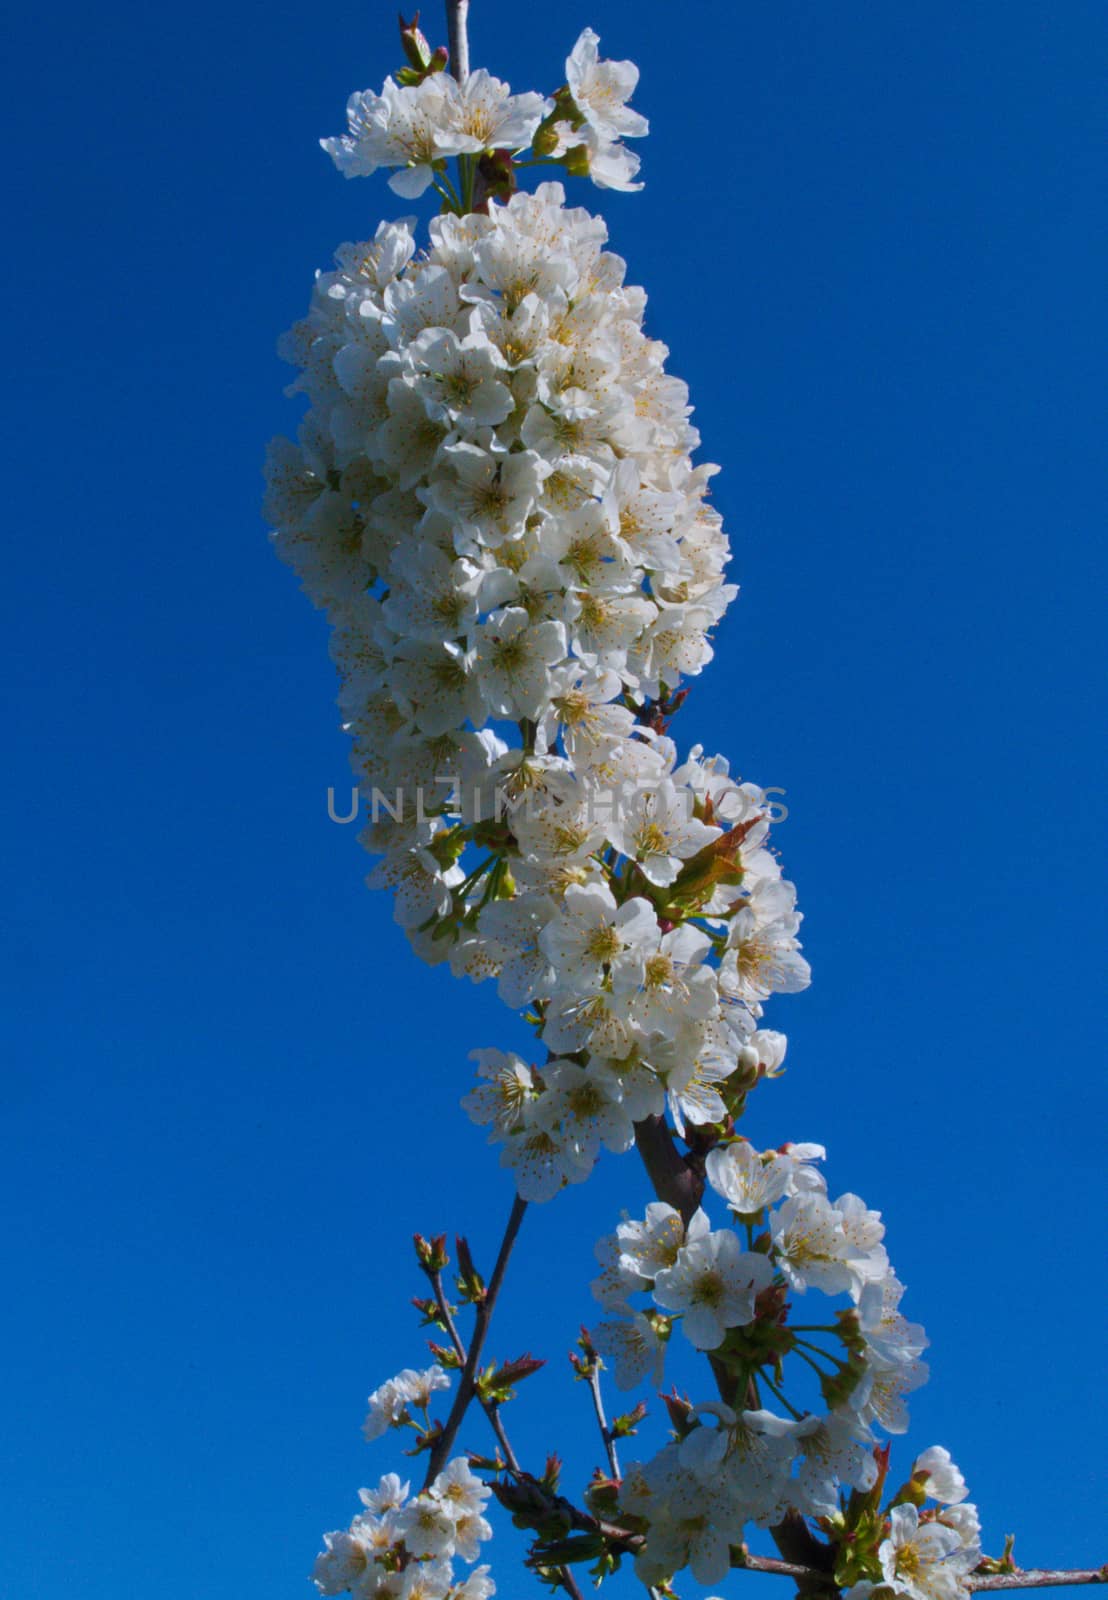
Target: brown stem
457,13
674,1180
467,1386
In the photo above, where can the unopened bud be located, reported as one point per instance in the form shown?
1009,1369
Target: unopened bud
471,1285
680,1413
431,1253
415,47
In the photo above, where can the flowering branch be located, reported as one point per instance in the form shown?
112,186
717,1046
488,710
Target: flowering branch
494,498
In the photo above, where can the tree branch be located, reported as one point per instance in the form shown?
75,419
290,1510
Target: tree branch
467,1385
457,12
674,1180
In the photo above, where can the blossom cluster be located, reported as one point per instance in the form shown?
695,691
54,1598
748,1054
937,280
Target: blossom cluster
402,1548
415,127
734,1464
494,499
928,1555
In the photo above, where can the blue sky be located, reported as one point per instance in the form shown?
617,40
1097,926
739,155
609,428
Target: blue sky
874,239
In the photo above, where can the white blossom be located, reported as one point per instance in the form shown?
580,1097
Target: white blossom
713,1284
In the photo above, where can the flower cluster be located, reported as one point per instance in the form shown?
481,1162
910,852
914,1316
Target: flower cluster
415,126
925,1552
399,1548
733,1464
493,497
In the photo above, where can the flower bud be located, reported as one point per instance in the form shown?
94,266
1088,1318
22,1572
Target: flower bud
681,1413
431,1253
414,45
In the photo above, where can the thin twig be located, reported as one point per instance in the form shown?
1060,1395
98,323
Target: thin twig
467,1385
1038,1578
489,1407
593,1372
457,38
975,1582
569,1584
601,1420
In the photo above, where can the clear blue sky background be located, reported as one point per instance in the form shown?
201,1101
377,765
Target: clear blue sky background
874,238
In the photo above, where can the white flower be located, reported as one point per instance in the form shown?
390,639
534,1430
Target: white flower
426,1527
389,1405
343,1562
697,1057
601,89
922,1560
811,1245
762,959
478,1586
460,379
656,829
635,1347
879,1397
714,1283
611,164
594,935
833,1449
504,1100
463,1497
941,1477
513,661
749,1452
864,1232
390,1493
585,1109
490,495
543,1160
671,985
747,1181
890,1339
486,115
401,127
966,1524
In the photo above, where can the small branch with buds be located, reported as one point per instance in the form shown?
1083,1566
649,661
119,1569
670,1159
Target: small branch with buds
587,1368
490,1408
486,1304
